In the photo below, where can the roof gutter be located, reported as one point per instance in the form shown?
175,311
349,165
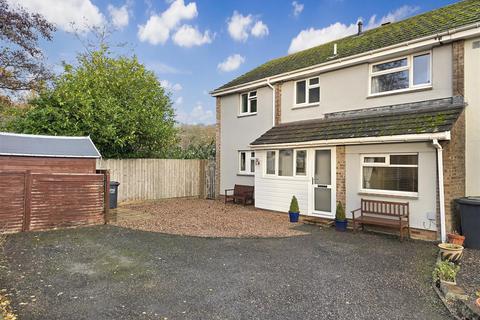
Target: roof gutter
273,101
441,190
438,38
422,137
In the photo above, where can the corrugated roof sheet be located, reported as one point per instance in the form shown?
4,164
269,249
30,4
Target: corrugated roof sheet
47,146
430,116
430,23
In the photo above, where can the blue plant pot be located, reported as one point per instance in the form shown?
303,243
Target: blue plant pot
294,216
341,225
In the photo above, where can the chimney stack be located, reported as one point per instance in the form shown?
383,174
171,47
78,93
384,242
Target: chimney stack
360,27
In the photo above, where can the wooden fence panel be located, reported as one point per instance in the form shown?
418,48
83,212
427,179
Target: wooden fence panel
148,179
12,201
61,200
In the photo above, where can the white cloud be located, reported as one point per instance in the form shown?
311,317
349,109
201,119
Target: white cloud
158,27
199,114
297,8
179,101
162,68
119,15
313,37
259,30
188,36
167,85
83,14
240,27
232,63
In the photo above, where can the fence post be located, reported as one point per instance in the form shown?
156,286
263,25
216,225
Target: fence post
28,201
106,193
201,186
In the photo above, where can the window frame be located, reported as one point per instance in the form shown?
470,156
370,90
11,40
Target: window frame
249,103
265,171
408,67
388,165
294,164
307,102
248,163
295,174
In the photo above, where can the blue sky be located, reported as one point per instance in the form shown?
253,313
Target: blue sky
196,46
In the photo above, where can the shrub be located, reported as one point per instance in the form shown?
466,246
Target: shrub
294,205
445,270
340,214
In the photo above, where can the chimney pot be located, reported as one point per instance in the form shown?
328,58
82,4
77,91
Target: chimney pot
360,27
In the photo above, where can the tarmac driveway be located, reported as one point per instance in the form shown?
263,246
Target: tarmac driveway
107,272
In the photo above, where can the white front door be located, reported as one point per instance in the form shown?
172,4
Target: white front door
323,193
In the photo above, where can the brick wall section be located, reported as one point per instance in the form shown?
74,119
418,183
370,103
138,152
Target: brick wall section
278,103
458,73
454,150
341,186
218,146
454,169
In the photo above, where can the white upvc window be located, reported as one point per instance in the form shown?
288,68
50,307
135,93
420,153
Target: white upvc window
307,92
271,163
246,162
248,103
401,74
395,174
300,163
286,163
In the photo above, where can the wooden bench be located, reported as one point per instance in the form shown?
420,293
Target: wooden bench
241,193
384,214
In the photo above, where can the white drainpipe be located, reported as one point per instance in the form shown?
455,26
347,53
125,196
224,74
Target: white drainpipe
273,101
441,191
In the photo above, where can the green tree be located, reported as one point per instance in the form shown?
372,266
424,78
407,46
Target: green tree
115,100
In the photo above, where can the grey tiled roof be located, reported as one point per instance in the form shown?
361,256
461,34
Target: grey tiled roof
47,146
429,23
430,116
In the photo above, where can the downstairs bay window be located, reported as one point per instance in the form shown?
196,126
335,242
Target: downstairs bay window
395,174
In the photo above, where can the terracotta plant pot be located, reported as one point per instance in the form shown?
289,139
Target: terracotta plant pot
477,302
451,252
455,238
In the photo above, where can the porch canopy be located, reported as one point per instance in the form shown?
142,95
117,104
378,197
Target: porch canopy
419,121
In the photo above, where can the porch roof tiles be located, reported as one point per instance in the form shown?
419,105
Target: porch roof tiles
430,116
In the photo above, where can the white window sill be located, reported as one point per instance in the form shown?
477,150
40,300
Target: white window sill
242,115
247,174
390,194
408,90
276,177
308,105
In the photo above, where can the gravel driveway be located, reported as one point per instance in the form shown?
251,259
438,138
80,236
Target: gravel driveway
203,218
108,272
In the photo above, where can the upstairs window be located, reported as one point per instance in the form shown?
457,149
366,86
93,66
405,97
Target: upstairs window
307,91
401,74
248,103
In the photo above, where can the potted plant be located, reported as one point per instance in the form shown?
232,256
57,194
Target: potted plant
340,219
294,212
446,272
455,238
451,252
